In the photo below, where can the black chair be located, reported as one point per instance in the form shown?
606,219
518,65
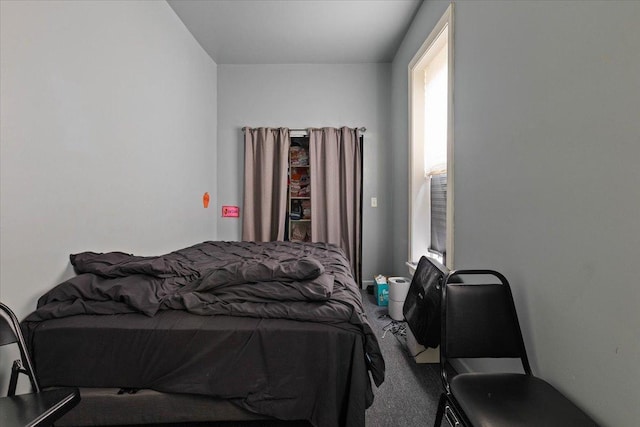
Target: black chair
480,321
41,407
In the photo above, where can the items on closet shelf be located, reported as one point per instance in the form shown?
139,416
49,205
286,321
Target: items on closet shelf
299,200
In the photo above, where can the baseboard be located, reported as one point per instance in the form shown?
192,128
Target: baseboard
366,283
428,355
420,353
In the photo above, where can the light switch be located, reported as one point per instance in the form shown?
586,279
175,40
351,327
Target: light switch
374,202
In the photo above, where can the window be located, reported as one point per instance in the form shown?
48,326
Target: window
431,145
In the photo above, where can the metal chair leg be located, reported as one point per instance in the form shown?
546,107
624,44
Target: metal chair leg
441,404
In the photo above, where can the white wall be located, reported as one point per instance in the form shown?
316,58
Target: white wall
300,96
547,141
108,137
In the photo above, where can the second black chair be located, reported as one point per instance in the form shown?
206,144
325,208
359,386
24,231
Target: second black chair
480,321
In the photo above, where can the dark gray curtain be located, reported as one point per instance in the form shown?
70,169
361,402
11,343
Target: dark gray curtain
266,157
335,157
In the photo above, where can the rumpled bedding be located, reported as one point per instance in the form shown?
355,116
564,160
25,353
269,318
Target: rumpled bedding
299,281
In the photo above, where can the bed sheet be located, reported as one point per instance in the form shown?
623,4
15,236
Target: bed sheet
277,367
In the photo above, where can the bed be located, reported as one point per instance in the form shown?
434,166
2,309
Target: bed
216,331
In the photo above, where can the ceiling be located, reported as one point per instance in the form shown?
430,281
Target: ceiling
297,31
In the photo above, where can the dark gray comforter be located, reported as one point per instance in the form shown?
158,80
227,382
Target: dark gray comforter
274,280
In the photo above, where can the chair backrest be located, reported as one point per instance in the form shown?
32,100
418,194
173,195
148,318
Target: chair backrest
480,320
10,333
7,334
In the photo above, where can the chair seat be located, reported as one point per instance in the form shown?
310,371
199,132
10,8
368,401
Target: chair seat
37,409
498,400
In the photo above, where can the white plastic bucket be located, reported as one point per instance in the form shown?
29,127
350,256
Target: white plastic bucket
398,289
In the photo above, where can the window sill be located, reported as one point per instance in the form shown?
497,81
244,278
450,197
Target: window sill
412,267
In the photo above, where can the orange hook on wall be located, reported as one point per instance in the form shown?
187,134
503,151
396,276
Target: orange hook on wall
205,200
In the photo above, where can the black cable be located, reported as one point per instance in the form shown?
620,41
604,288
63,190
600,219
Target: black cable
399,330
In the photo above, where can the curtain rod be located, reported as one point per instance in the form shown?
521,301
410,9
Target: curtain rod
361,129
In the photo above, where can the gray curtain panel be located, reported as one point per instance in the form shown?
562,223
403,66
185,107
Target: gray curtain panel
335,157
266,156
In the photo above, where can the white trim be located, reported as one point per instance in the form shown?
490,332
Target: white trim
445,22
298,133
450,151
446,18
412,267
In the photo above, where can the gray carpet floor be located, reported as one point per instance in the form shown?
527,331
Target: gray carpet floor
409,395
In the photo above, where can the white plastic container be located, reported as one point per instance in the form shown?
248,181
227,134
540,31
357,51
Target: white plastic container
398,289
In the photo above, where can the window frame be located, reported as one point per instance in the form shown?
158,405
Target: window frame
416,173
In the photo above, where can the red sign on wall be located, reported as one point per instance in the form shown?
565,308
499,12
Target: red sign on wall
230,211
